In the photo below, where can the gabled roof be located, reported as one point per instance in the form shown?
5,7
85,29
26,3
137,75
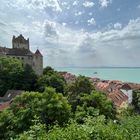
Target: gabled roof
3,50
126,87
15,51
38,52
118,98
10,94
19,52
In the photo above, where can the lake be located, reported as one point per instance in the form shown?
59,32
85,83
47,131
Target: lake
123,74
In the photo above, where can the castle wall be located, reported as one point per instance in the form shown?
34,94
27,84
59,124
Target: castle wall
24,59
38,64
35,61
21,45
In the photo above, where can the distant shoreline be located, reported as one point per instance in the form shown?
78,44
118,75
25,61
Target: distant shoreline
125,74
102,67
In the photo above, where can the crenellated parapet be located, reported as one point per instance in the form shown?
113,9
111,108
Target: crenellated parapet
20,42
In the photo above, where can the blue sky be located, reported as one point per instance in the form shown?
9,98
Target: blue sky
83,33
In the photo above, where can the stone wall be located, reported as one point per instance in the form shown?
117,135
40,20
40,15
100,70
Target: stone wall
38,64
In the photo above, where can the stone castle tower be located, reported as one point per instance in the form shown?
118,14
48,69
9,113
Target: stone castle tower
20,42
21,50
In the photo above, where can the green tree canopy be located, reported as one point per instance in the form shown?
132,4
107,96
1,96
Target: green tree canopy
15,75
82,85
136,100
48,70
50,107
10,73
51,78
94,128
95,104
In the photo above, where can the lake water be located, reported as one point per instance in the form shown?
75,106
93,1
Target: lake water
123,74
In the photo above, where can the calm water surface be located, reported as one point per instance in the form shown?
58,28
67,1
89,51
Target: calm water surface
123,74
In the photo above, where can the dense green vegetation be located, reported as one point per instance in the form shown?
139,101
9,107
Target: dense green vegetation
52,109
136,100
15,75
94,128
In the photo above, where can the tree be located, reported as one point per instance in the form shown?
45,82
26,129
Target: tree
82,85
36,132
55,107
136,100
29,79
94,128
51,79
49,106
15,75
48,70
10,72
6,124
95,104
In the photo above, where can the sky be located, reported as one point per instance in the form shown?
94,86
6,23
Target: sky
76,33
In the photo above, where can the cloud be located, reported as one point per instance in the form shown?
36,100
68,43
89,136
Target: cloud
40,4
75,3
50,29
117,26
63,46
64,3
79,13
90,13
2,24
105,3
91,21
109,48
88,4
64,24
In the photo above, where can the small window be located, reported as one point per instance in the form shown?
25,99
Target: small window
9,95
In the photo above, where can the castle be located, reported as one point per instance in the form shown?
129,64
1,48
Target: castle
21,50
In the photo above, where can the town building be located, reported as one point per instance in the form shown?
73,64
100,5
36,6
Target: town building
21,50
7,99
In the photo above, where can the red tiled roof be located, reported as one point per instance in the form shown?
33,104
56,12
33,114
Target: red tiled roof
118,98
4,105
102,86
68,76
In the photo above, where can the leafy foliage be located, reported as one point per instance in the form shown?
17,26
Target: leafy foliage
74,90
136,100
10,71
51,78
48,71
15,75
95,104
94,128
49,106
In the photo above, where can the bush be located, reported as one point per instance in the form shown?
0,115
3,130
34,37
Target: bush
51,78
50,107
